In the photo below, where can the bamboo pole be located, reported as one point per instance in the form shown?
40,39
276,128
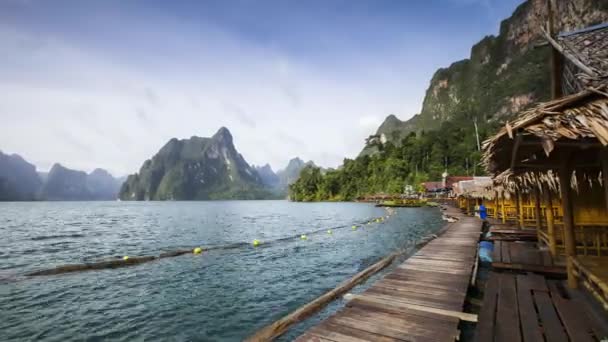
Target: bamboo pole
565,173
550,222
279,327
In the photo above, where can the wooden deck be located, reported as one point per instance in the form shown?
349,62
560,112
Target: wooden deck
525,256
528,307
421,300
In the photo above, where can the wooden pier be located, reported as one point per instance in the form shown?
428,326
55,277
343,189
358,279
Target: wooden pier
421,300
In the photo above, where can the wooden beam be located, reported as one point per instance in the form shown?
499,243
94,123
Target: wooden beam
280,326
463,316
570,57
550,221
565,174
518,139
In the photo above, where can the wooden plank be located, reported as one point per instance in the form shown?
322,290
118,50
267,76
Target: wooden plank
549,270
548,316
390,306
507,313
572,318
528,319
505,253
420,300
496,253
340,333
392,327
484,331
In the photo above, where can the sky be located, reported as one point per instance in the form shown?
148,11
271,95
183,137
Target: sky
107,83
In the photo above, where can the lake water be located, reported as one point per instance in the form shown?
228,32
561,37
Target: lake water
220,295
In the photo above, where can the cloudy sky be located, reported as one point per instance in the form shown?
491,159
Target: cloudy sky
107,83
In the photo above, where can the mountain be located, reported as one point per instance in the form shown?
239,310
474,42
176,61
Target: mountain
269,178
504,74
102,185
291,173
18,179
464,103
64,184
195,169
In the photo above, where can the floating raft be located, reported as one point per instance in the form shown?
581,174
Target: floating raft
421,300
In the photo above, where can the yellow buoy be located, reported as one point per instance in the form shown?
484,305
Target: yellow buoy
256,243
197,250
329,231
354,227
125,258
303,237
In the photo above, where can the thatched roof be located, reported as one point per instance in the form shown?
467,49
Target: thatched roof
585,59
478,187
577,123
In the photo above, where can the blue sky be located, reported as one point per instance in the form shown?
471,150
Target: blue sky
107,83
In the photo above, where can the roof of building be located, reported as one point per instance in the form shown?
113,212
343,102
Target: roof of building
586,55
527,143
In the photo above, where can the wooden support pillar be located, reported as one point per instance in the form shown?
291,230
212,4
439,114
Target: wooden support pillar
518,209
565,174
550,221
537,213
502,209
496,203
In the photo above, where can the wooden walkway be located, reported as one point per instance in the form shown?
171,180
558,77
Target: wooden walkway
528,307
524,256
421,300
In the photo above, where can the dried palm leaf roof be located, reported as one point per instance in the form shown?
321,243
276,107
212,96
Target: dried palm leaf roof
588,49
579,120
478,187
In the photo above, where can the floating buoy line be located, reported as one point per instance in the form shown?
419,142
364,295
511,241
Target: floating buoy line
126,260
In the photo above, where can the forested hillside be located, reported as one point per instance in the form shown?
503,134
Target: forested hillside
504,75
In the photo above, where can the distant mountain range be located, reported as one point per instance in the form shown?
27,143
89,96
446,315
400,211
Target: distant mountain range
188,169
19,181
205,169
281,180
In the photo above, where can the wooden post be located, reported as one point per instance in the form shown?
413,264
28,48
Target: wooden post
502,209
496,203
565,174
550,221
556,61
518,209
537,212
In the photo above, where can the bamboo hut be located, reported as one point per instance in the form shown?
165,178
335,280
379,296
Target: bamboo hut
470,193
561,147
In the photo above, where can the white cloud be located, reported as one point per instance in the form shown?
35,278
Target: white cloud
65,102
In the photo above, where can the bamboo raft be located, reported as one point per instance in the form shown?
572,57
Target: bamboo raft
421,300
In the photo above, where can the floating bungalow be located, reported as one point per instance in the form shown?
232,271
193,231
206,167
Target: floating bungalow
551,165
